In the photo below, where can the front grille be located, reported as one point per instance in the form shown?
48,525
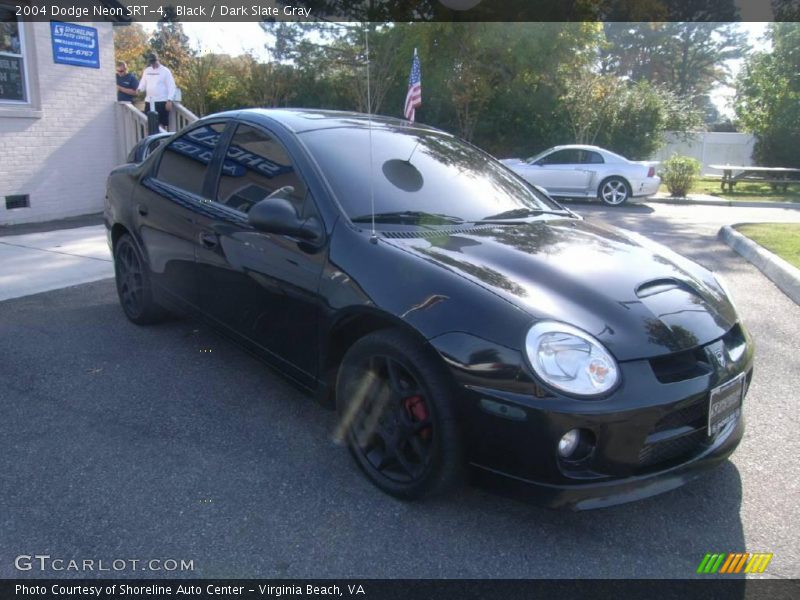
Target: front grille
681,447
681,366
695,362
695,415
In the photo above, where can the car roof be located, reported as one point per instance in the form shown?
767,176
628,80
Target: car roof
607,154
298,120
580,147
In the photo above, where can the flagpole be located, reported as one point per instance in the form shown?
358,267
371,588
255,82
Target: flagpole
373,237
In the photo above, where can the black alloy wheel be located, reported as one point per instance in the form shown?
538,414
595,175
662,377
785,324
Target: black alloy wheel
394,403
133,284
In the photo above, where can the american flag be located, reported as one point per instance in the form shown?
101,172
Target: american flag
414,95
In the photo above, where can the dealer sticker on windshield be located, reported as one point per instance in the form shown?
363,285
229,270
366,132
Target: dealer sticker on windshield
725,404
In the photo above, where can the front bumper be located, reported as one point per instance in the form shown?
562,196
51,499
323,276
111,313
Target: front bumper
611,492
649,436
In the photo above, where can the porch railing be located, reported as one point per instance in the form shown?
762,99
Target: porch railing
132,124
180,117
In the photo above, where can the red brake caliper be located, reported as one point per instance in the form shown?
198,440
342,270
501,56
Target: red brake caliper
418,411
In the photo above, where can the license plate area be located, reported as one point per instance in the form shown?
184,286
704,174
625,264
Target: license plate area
725,404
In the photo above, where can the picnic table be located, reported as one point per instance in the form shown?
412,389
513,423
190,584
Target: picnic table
775,176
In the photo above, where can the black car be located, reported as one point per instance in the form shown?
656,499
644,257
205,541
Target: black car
459,320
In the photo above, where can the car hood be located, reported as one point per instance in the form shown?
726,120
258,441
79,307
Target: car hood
637,297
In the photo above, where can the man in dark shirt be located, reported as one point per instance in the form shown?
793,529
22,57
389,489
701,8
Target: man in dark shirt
126,83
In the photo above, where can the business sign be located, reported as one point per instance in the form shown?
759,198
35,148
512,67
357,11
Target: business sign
75,45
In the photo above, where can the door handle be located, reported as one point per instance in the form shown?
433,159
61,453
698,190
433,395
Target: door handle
209,240
141,209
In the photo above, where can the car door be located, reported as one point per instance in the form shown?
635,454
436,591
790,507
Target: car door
594,167
261,287
166,205
562,173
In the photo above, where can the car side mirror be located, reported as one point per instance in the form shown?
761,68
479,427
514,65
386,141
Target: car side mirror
277,215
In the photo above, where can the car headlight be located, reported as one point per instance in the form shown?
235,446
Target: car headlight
570,360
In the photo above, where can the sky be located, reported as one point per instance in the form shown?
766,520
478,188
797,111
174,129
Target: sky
237,38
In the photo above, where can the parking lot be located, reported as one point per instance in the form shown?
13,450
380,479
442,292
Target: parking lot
169,442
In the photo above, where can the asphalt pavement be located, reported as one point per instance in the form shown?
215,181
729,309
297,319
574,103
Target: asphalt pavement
169,442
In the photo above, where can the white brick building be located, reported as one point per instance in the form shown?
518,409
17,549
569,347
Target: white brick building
58,136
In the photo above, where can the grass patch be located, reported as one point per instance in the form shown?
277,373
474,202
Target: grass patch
744,192
781,238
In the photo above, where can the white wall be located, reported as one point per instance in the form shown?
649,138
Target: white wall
710,148
61,149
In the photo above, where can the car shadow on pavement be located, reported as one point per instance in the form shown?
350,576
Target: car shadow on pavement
663,536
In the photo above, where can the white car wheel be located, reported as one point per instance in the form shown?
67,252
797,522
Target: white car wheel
614,191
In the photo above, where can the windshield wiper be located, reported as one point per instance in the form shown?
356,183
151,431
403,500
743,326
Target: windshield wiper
522,213
409,216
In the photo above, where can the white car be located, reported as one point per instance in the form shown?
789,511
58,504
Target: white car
588,172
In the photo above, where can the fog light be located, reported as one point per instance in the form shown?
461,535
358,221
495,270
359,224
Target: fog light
569,442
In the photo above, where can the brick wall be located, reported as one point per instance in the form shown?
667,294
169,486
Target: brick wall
61,158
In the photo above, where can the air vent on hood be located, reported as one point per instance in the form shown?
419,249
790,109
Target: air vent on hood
659,286
424,233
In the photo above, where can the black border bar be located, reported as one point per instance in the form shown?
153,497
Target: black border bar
717,588
407,10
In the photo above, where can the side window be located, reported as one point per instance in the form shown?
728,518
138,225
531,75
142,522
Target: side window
592,158
256,165
561,157
185,161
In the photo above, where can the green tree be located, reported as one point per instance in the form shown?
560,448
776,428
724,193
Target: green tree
687,58
629,118
768,97
201,76
172,46
497,84
130,45
333,56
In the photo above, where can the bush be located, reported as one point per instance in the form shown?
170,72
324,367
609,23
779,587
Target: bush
680,173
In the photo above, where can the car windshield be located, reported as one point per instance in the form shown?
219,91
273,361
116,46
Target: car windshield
536,157
417,176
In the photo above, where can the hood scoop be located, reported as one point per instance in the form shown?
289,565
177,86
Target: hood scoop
424,233
661,286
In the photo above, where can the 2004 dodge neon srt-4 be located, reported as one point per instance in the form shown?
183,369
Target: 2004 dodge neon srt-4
468,324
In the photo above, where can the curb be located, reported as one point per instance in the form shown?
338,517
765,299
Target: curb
782,274
95,218
734,203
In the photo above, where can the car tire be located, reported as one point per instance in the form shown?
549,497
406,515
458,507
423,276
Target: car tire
395,407
133,284
614,191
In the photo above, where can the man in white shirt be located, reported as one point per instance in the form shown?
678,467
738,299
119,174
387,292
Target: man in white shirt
159,88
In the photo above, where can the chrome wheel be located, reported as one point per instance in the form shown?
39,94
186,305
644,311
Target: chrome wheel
614,191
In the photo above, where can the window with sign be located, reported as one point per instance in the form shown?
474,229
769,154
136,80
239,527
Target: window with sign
255,166
13,86
184,162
